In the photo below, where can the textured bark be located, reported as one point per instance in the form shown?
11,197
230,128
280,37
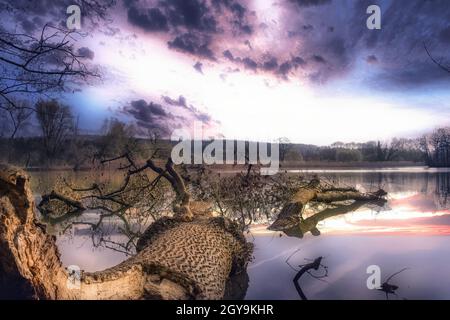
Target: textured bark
334,196
177,259
310,224
290,214
290,219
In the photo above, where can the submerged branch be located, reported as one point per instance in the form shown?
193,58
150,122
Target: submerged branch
315,265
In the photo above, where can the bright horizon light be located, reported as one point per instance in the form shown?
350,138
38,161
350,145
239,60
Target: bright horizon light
254,106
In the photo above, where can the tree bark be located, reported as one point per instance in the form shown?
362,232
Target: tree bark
310,224
290,214
177,259
290,219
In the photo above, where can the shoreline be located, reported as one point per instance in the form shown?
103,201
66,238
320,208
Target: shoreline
287,167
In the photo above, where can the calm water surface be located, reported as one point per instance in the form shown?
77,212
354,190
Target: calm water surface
412,231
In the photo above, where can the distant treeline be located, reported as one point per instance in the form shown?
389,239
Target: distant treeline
395,150
60,144
82,151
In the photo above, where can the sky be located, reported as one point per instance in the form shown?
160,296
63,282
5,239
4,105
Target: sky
307,70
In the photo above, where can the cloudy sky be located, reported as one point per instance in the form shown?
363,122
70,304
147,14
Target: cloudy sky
308,70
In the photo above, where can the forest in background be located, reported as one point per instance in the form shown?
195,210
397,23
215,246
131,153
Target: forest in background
57,141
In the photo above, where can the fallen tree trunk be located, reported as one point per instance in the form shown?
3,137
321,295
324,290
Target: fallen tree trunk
290,219
310,224
290,214
178,258
75,206
335,196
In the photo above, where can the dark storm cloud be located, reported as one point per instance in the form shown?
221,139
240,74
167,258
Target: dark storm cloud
151,20
164,118
290,65
340,38
86,53
180,102
199,67
193,112
318,58
285,68
36,7
298,61
148,112
195,44
227,54
192,24
270,64
372,59
32,15
197,15
150,116
331,37
249,63
192,14
238,12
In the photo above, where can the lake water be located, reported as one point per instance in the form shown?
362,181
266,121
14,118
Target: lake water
412,231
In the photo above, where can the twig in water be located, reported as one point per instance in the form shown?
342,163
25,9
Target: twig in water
388,288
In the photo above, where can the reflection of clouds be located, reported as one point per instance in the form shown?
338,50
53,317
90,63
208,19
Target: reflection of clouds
411,212
414,202
402,195
78,250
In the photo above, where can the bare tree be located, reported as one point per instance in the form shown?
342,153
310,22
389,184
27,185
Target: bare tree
34,66
56,123
138,200
45,61
388,151
119,138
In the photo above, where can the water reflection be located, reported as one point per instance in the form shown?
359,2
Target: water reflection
412,230
347,258
310,223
